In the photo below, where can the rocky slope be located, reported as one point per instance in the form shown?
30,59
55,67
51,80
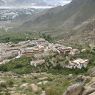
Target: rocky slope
61,21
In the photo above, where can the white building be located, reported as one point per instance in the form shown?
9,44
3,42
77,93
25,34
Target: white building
78,63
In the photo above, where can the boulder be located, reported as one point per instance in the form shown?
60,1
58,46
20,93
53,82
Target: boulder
88,91
82,78
18,94
43,93
93,85
70,76
75,89
42,83
43,78
91,72
83,50
92,93
25,85
34,87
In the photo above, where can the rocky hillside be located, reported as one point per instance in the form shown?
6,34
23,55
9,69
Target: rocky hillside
37,67
61,21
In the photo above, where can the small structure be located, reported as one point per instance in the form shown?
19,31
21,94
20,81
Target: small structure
78,63
42,42
64,50
74,51
37,62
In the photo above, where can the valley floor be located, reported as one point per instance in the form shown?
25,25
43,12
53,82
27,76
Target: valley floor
32,84
38,67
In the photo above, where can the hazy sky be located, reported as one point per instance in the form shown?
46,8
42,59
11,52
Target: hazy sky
30,1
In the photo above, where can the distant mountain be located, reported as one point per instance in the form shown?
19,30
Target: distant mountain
30,2
64,22
12,14
57,2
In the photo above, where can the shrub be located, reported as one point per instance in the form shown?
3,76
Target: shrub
3,85
52,91
20,66
10,83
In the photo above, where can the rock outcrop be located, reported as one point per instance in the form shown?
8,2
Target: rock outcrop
75,89
88,91
34,88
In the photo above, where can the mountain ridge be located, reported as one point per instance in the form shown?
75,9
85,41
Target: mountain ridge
61,21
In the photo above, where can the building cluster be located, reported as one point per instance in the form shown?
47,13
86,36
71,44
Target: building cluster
38,49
